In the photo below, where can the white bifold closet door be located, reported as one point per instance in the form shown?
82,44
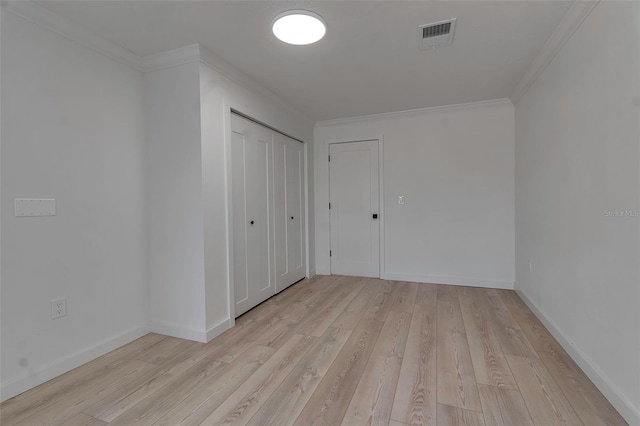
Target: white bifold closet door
252,188
268,212
289,211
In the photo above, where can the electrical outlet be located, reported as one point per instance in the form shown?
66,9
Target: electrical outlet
58,308
400,199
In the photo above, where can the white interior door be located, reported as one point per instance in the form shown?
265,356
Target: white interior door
354,209
289,211
251,146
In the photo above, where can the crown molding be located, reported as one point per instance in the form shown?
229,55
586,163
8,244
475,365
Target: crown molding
198,53
171,58
571,21
224,68
414,112
71,31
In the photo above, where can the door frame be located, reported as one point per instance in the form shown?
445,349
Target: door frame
382,215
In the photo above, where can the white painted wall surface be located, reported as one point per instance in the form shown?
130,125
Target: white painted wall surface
577,136
187,116
454,167
176,241
218,94
73,129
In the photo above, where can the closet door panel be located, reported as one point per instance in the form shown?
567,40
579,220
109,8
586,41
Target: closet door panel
289,219
295,216
252,192
240,220
280,201
259,194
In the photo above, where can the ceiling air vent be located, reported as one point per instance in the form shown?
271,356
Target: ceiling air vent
437,34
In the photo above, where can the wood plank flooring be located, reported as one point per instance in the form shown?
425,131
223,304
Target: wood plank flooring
337,350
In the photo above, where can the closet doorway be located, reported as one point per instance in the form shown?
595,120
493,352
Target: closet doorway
267,190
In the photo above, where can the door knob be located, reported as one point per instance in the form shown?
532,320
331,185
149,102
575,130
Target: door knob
375,215
251,222
291,217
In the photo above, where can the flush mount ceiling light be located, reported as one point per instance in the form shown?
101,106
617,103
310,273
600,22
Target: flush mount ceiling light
299,27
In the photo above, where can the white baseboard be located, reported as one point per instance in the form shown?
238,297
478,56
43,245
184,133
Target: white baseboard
18,385
47,372
468,282
177,330
630,413
215,330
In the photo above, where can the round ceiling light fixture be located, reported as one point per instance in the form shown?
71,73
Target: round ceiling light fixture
299,27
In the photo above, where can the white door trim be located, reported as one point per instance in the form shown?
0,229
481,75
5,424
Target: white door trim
310,272
231,304
382,215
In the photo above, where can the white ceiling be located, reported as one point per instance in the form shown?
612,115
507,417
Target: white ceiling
368,62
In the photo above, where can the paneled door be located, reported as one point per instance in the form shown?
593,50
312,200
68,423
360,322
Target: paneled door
354,208
289,211
252,186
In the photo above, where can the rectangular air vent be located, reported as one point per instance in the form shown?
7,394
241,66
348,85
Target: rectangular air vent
437,34
436,30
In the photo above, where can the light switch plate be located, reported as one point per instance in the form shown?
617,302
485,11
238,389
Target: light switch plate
32,207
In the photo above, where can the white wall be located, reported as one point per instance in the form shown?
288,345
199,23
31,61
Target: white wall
454,167
136,164
73,130
577,136
188,111
176,241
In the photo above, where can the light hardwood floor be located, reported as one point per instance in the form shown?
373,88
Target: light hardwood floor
337,350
